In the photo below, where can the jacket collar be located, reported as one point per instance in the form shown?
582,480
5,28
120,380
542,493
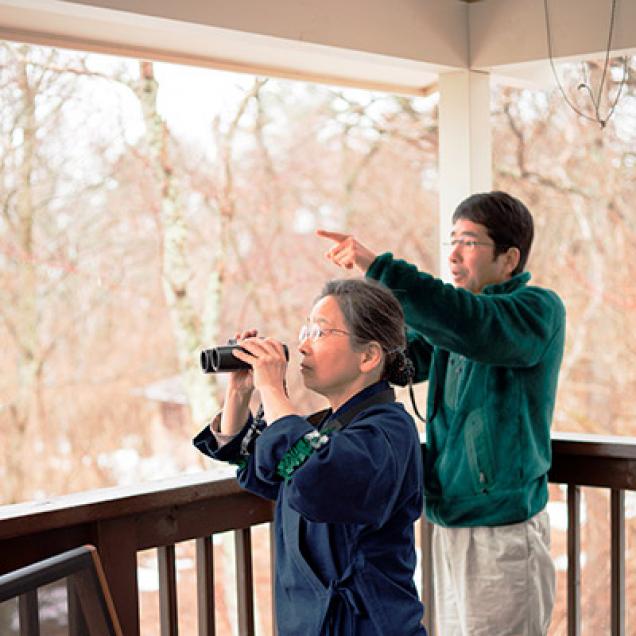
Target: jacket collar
508,285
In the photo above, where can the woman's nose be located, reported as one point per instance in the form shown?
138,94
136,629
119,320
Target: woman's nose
304,346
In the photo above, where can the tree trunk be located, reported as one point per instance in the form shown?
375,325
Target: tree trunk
177,271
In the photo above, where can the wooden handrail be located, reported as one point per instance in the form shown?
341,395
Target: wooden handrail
107,503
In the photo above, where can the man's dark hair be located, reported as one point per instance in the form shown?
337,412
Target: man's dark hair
372,313
507,220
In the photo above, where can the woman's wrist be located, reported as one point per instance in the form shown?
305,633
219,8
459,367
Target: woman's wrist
238,396
236,410
276,404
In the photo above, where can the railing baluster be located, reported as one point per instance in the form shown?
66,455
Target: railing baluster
205,586
272,574
574,560
168,591
426,548
618,562
244,581
76,620
28,612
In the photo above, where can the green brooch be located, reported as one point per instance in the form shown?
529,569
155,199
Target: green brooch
298,454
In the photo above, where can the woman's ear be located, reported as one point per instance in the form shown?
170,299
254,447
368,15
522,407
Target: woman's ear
371,357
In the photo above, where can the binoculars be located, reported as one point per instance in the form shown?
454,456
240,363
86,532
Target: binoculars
220,359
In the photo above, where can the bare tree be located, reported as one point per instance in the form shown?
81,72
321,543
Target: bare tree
33,101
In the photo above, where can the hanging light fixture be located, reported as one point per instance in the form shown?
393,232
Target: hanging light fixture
585,83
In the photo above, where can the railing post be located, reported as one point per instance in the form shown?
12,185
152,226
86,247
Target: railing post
28,612
428,597
117,547
244,581
574,560
76,620
168,591
205,585
618,562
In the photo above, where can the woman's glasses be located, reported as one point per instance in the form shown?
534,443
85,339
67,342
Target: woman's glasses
312,331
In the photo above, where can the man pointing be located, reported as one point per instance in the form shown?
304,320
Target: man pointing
490,346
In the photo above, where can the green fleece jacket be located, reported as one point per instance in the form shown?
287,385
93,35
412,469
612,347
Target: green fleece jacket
492,361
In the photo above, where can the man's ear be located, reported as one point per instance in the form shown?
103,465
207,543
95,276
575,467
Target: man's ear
371,357
512,257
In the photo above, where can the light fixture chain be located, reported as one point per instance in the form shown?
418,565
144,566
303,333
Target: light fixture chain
585,85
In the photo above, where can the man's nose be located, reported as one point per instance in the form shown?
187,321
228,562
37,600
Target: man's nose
455,254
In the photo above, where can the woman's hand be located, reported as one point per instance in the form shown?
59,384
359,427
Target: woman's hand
267,358
240,386
242,382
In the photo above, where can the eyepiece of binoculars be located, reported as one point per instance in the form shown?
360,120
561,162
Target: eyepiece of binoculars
220,359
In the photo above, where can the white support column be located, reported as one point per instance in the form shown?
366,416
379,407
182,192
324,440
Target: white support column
465,144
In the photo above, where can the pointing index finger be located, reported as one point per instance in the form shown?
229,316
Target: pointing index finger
338,237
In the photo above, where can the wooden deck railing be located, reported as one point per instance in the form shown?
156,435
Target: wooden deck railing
120,522
123,521
603,462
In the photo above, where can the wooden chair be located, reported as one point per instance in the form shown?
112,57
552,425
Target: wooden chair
90,607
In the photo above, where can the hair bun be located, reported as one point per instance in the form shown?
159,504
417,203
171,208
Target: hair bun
400,369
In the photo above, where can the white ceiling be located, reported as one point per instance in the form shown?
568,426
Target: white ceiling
399,45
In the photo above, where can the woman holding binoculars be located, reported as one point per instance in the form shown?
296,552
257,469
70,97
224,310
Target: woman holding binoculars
347,481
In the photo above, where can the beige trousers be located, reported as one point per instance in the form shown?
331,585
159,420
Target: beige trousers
497,581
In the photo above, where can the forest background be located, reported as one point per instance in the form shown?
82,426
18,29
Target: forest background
148,211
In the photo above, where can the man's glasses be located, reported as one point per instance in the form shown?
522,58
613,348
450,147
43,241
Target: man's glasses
313,332
468,245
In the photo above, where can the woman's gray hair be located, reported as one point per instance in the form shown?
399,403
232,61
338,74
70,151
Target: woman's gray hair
372,313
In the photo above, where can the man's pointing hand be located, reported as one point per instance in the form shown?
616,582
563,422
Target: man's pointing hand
347,252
